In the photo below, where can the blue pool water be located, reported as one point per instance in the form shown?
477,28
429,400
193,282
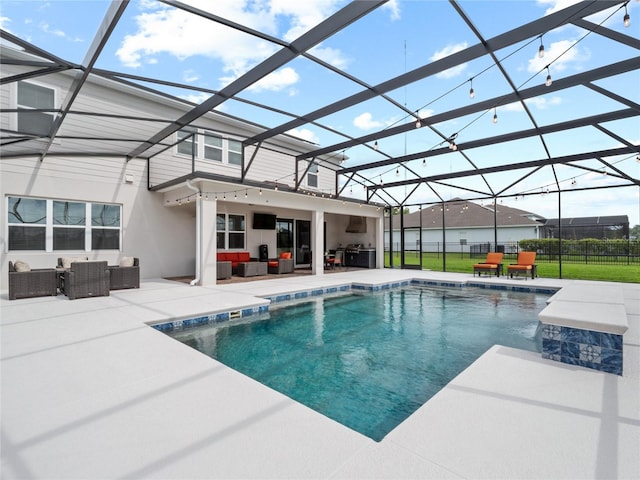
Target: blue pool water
370,360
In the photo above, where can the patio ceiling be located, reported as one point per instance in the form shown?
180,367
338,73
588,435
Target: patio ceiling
433,142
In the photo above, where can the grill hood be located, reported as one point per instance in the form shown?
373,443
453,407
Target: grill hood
357,224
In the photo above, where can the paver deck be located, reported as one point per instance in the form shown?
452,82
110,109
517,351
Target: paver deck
89,390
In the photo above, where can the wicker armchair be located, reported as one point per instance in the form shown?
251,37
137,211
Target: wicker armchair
86,279
284,264
124,277
34,283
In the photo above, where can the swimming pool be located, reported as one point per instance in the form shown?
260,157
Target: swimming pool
370,360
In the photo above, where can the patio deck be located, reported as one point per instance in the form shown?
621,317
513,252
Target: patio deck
89,390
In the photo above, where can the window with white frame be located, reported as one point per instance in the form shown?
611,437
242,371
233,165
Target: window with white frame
312,175
186,142
58,225
235,152
213,147
230,231
30,99
209,146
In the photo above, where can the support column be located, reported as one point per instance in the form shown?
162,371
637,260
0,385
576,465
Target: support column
380,241
208,269
317,242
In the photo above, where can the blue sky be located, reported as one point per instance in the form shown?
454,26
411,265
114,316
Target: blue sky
155,40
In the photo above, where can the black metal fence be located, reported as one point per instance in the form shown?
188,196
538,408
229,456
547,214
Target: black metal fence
591,251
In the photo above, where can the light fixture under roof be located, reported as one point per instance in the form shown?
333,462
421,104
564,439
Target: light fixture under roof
548,81
472,93
626,19
541,49
495,116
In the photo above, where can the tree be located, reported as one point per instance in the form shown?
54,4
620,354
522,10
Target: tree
634,233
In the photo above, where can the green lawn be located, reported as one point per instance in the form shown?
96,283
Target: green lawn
455,262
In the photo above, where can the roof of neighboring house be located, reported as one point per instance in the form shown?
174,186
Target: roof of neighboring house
465,214
588,221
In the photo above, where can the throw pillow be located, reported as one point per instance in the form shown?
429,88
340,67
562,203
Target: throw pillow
126,262
21,266
67,261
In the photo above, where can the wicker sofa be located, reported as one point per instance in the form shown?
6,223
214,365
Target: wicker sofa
235,258
125,275
86,279
283,264
41,282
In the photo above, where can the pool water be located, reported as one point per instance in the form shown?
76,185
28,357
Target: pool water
370,360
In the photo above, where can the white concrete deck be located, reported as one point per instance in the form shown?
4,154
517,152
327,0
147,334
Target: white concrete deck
90,391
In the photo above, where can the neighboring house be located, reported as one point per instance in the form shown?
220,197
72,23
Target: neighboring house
467,224
578,228
193,194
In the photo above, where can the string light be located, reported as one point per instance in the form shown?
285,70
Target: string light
548,82
418,122
495,116
472,93
541,49
424,162
375,145
626,19
397,172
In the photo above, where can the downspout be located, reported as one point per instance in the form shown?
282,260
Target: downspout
196,280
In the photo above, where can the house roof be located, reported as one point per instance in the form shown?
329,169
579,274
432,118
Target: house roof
609,220
464,214
429,105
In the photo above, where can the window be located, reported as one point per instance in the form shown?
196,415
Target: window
210,146
186,139
105,227
58,225
69,220
27,220
235,152
312,175
213,147
32,97
230,231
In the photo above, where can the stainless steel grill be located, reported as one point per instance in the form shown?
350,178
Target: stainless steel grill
353,248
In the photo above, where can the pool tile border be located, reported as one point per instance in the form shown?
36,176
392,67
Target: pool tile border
220,317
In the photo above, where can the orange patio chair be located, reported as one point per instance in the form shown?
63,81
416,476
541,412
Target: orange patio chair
492,265
526,264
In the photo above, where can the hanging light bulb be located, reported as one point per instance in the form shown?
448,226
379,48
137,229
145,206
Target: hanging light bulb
495,116
424,162
418,122
453,146
472,93
541,49
626,19
260,192
375,145
246,193
397,172
548,82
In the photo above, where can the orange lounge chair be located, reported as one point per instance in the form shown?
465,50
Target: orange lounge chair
525,264
493,263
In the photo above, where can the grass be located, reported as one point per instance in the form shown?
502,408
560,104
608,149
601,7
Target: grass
455,262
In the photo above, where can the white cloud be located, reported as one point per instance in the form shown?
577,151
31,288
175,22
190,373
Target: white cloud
165,30
560,56
4,21
365,122
44,26
190,76
541,103
446,51
183,35
196,97
332,56
276,81
394,9
304,134
556,5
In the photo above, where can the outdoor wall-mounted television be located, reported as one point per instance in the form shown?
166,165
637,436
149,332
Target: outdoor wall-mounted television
264,221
